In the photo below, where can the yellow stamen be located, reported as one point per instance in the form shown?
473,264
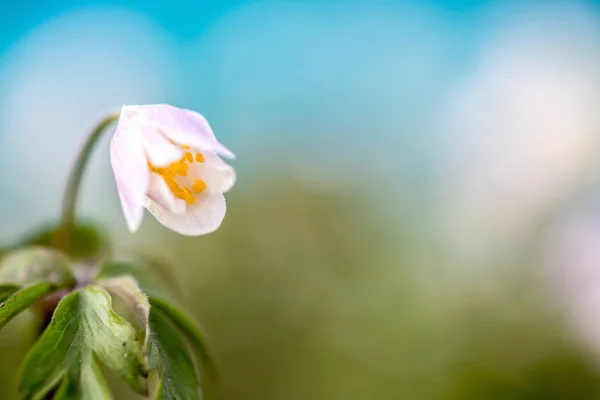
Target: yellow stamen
180,168
199,186
188,196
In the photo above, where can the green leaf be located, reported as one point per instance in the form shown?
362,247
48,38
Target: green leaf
87,240
161,270
191,331
95,386
22,299
7,290
84,325
176,369
36,264
145,278
135,301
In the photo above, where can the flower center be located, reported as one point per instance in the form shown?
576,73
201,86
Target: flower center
175,176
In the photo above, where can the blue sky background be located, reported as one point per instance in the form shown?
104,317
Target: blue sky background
335,90
184,19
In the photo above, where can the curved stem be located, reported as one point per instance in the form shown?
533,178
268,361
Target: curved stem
69,204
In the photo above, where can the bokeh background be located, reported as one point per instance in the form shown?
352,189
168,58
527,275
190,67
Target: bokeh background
417,214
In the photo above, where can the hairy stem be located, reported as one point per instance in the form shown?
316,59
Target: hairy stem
62,238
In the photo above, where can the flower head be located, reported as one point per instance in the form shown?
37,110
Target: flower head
166,159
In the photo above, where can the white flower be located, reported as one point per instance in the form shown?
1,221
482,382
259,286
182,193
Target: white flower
166,160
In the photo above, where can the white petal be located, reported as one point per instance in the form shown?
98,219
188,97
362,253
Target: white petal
204,216
160,193
218,175
160,151
130,169
182,126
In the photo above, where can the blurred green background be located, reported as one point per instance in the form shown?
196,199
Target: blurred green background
417,209
307,296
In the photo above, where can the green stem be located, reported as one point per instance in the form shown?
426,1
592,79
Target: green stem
67,220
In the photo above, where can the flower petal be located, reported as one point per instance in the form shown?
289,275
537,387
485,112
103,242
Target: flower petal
159,192
130,168
204,216
183,127
218,175
159,150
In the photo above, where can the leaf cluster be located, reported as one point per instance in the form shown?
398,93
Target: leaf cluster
121,319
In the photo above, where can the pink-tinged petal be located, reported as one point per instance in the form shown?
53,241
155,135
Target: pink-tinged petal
130,168
159,150
160,193
202,217
183,127
218,175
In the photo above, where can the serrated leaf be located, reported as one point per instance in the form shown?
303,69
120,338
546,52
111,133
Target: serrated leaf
176,369
7,290
190,330
136,302
146,280
35,264
22,299
84,324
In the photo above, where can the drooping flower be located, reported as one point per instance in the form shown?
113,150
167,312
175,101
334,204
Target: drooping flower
166,159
